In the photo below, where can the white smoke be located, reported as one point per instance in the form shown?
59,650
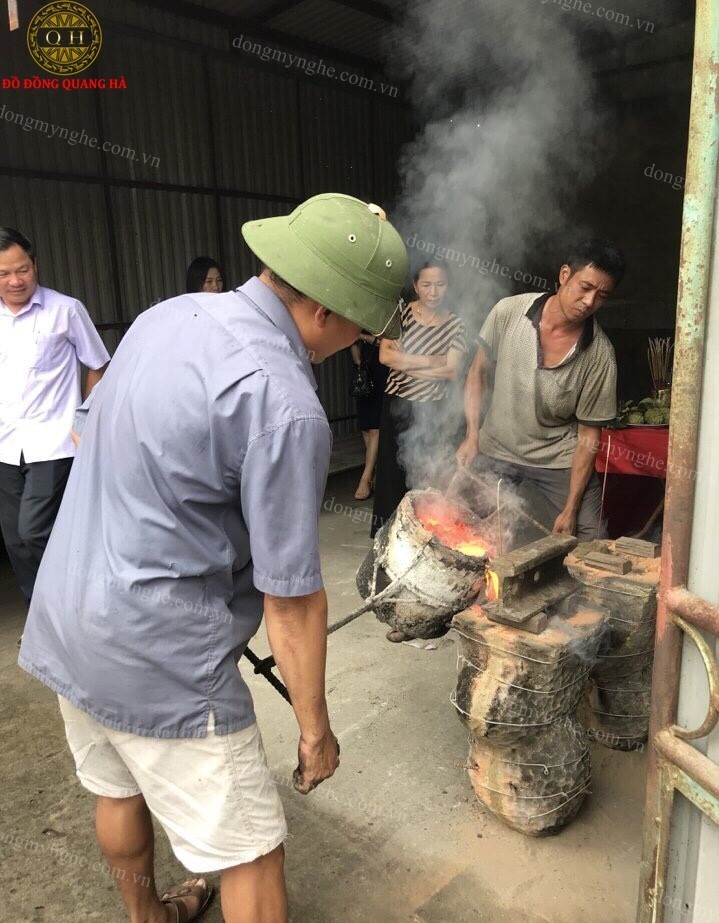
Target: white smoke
509,136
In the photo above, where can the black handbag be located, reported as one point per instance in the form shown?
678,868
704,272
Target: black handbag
361,385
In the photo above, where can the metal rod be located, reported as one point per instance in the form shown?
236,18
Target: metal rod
109,215
123,183
604,485
355,614
264,668
695,262
518,509
652,519
499,521
512,504
693,609
712,715
375,598
689,760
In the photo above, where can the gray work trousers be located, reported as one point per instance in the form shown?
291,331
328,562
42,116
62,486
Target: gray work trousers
30,495
553,485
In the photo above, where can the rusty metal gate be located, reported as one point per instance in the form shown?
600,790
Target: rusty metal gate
675,765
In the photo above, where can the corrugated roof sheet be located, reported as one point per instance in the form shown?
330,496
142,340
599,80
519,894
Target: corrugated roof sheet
158,235
66,222
336,140
161,21
255,134
332,24
160,116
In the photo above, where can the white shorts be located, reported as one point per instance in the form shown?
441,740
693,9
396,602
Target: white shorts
213,795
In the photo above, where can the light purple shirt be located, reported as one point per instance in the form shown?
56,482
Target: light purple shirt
197,488
41,348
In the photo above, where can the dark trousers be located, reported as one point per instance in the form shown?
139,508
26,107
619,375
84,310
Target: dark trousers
30,495
417,442
390,483
553,485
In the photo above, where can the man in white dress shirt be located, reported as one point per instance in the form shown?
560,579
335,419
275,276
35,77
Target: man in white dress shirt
44,336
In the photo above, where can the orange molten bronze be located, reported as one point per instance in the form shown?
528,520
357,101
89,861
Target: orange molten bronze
446,524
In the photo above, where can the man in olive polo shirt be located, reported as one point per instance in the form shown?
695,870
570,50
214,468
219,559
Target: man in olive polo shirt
555,378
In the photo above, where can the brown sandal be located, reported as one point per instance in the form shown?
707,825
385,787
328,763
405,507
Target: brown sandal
174,896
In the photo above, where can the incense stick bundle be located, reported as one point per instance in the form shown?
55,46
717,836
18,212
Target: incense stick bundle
660,361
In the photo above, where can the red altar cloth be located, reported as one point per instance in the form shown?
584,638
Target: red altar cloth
635,450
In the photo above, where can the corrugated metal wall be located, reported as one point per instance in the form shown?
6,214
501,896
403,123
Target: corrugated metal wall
212,138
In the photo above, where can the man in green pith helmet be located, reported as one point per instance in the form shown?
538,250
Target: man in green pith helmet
192,508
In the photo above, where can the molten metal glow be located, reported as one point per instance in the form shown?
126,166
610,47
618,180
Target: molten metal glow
492,591
473,549
450,530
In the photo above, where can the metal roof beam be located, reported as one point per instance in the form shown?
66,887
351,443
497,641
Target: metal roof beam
275,9
369,8
252,28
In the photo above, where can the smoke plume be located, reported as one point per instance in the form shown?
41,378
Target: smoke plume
509,131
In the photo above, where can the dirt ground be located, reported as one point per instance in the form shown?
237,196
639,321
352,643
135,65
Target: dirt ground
397,835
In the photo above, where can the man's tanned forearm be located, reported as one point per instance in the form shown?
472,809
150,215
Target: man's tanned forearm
297,632
582,464
473,394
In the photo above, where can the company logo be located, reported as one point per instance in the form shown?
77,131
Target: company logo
64,37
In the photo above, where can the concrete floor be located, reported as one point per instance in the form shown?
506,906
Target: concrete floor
397,835
347,453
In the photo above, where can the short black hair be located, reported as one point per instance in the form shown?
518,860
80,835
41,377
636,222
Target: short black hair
197,272
430,264
291,293
9,237
598,252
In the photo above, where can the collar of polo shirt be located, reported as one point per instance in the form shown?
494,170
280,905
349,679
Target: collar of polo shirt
534,313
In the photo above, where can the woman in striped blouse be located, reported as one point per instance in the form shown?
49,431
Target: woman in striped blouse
417,428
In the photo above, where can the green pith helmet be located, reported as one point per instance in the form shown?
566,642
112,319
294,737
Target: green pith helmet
340,252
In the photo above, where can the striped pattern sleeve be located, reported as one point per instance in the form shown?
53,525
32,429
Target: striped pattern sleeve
420,340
